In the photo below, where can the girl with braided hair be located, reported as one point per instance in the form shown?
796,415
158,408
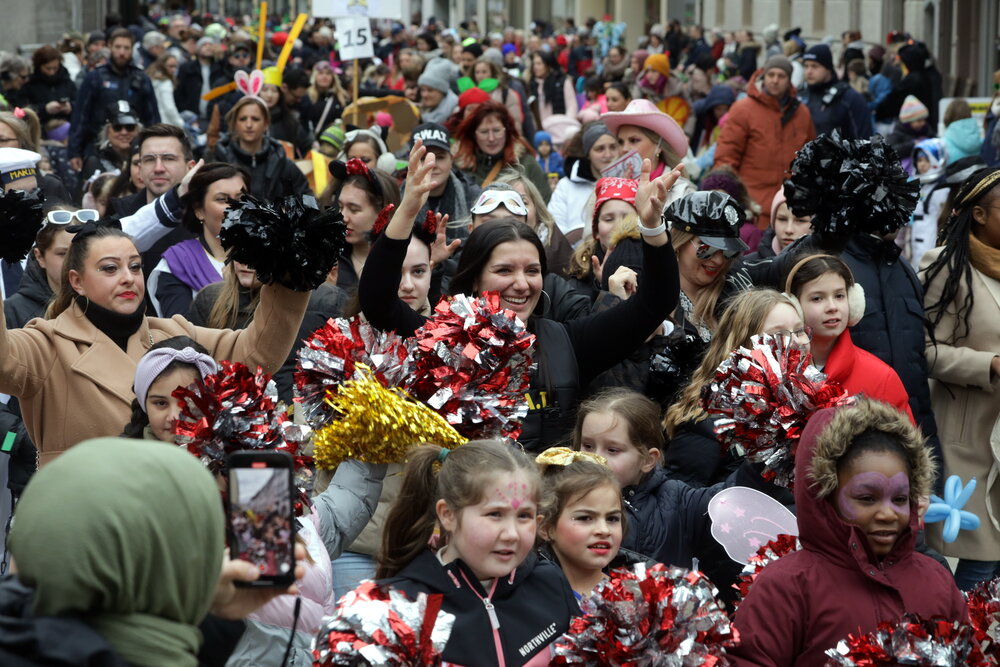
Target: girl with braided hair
962,299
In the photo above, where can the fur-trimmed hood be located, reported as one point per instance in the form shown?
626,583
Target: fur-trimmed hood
824,441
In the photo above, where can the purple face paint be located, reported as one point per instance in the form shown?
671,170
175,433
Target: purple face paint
867,493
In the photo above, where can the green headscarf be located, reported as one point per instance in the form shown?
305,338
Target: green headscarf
129,536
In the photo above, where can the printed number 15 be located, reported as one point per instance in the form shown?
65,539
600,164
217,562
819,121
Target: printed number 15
357,37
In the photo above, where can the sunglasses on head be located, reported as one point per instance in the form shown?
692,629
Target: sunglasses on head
65,217
491,199
705,251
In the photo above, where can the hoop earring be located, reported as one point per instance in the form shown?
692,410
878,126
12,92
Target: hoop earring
87,304
546,295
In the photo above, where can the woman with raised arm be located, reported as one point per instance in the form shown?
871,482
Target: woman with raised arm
507,257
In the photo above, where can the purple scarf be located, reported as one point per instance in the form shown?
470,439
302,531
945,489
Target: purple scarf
190,263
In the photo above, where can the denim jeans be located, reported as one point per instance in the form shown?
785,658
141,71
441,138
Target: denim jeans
971,572
350,570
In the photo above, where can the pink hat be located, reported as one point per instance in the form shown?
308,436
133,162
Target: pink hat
779,199
644,114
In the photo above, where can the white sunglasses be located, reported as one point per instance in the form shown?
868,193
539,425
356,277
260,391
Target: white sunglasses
65,217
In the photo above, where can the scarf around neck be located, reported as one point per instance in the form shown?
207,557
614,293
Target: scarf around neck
984,258
119,328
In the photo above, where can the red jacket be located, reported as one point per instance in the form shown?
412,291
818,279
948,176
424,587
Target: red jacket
861,372
759,141
804,603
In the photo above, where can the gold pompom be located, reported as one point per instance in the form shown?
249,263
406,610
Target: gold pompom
376,424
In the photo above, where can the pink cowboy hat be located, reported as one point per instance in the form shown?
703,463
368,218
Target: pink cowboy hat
644,114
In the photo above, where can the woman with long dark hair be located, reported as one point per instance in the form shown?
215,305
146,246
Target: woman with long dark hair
552,89
962,300
190,265
506,257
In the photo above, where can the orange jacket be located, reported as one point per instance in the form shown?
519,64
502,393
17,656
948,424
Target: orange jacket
759,145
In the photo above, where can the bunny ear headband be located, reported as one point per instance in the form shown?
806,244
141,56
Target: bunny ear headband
251,84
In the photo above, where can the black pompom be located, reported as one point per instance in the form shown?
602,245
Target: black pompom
671,368
850,186
20,219
292,243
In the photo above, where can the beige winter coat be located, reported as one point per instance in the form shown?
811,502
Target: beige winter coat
966,403
75,383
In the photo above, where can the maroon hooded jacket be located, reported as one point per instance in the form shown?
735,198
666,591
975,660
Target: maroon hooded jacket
806,602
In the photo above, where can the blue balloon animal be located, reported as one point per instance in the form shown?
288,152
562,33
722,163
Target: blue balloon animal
950,509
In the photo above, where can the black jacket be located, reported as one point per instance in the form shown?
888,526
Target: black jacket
100,89
694,455
187,92
31,298
104,158
596,342
272,175
893,326
123,207
764,249
533,605
29,641
669,522
286,127
41,89
834,105
325,301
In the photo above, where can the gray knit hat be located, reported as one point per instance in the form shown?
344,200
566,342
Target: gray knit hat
434,80
779,62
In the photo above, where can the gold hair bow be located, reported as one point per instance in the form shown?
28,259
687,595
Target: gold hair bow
563,456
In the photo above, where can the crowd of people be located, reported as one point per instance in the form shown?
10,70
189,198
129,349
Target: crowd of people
631,206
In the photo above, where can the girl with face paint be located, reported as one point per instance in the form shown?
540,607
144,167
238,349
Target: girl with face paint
861,474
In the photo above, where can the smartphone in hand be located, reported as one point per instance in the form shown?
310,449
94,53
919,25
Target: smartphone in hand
261,516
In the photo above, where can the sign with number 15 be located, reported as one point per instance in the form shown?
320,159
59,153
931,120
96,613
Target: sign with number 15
354,38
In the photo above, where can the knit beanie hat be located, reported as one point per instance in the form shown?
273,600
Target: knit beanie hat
778,62
658,62
820,53
334,135
720,180
435,81
541,136
912,110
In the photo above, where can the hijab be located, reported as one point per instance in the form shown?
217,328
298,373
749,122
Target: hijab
127,535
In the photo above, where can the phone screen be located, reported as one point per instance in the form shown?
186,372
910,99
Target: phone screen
262,529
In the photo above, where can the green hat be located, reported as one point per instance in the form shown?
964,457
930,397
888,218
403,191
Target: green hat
334,135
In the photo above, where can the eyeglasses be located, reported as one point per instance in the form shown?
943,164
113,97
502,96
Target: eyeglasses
803,334
65,217
495,132
166,158
705,251
128,127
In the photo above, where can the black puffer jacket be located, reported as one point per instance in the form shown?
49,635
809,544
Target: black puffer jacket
31,298
272,175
